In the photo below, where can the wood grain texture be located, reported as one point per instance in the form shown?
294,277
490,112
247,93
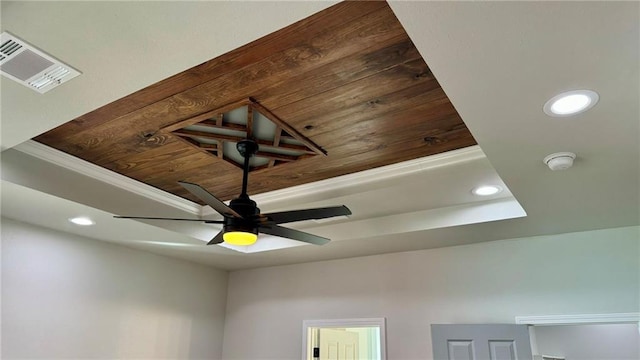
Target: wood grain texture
347,79
238,58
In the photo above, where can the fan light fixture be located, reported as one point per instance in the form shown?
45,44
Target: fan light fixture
242,218
240,238
570,103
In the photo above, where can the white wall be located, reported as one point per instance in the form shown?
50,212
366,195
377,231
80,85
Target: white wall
590,342
65,296
590,272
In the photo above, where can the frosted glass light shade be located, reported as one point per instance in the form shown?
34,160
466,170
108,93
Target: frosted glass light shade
240,238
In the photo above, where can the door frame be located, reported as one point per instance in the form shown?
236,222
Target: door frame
346,323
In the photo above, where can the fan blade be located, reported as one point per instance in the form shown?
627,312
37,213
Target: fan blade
211,200
217,239
172,219
294,234
308,214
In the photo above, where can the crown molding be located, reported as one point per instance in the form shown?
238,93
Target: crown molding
57,157
382,173
578,319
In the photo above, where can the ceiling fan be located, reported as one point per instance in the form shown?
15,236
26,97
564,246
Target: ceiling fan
242,219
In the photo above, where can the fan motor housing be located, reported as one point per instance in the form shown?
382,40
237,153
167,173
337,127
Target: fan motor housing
248,210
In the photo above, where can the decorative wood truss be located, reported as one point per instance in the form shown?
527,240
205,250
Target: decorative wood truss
211,131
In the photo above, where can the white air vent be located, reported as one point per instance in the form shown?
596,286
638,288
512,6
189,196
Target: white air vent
31,67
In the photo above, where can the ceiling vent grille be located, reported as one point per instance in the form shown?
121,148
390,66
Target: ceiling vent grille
8,48
31,67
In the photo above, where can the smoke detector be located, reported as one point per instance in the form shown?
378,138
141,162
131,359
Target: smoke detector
31,67
560,160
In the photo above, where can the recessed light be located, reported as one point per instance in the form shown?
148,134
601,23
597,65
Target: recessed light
486,190
571,103
82,220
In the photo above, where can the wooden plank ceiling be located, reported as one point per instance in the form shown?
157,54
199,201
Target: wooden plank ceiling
348,79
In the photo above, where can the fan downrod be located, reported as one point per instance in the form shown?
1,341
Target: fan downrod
247,148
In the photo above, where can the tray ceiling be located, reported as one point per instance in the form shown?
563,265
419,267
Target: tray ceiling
347,80
497,61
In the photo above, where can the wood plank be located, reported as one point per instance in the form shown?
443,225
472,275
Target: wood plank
213,124
249,126
205,116
427,99
290,130
141,142
209,147
276,141
276,156
404,125
377,27
243,56
220,123
351,97
145,159
377,58
178,165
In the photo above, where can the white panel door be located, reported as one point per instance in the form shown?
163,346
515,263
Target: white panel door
481,342
338,344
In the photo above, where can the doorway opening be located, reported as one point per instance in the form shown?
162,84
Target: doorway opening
344,339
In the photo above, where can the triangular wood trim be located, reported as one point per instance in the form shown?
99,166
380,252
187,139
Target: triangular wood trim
214,119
